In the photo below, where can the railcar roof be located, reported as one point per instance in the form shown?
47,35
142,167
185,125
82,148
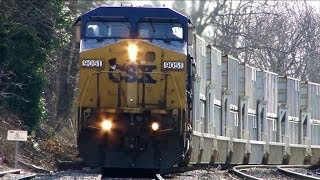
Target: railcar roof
134,13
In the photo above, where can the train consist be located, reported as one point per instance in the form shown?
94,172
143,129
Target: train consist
153,94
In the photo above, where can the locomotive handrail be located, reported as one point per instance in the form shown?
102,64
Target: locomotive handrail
174,82
91,74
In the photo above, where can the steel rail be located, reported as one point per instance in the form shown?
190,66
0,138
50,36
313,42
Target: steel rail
283,169
13,171
159,177
28,176
237,171
34,168
18,171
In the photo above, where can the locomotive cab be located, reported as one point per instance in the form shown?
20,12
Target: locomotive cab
133,105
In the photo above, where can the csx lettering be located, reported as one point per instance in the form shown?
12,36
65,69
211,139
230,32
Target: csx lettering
173,65
132,71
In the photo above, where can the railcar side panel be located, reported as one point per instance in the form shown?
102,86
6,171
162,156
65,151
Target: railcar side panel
289,94
230,74
216,71
199,95
310,98
213,91
315,134
267,90
253,127
247,85
217,119
272,131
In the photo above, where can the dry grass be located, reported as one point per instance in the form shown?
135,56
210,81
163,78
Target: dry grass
44,148
7,148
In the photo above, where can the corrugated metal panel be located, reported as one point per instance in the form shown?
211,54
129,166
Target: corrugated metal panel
198,53
209,66
230,77
203,119
315,134
304,95
199,87
250,86
233,80
267,89
310,98
253,128
272,98
217,120
315,100
294,97
242,79
289,94
236,127
201,63
216,71
283,126
293,132
272,131
282,90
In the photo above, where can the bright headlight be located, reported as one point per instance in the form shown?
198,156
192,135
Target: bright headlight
106,125
133,52
155,126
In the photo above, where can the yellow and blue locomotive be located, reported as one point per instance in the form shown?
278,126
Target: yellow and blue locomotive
134,83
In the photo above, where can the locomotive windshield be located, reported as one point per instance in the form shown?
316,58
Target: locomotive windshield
153,30
100,33
165,34
116,30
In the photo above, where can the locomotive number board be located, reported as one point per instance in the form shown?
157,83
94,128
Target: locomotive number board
173,65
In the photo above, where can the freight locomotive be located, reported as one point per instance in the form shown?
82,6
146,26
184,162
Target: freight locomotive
153,94
134,87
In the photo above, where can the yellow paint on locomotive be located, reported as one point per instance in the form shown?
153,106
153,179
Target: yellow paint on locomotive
98,89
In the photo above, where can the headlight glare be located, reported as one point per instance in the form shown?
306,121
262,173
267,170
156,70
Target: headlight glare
132,52
106,125
155,126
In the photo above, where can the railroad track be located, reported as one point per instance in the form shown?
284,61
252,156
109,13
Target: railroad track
16,174
32,167
159,177
258,172
253,172
291,170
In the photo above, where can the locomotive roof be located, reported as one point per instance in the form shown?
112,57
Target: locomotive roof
133,13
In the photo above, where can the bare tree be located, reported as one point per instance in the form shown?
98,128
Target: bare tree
279,36
201,13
